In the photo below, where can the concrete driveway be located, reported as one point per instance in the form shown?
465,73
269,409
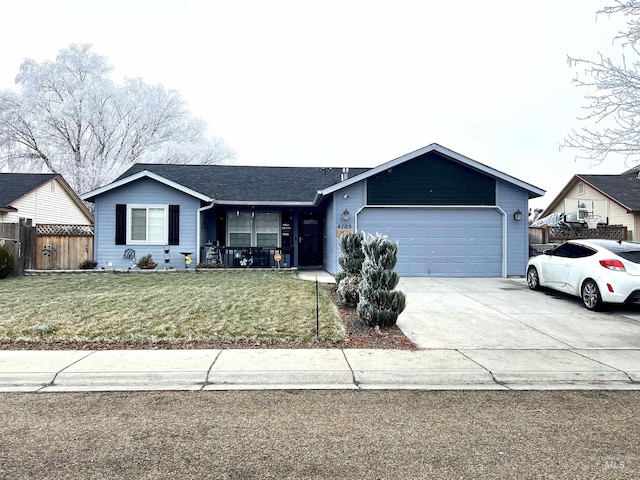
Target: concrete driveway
476,313
520,336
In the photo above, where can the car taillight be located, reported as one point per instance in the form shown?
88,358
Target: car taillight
613,265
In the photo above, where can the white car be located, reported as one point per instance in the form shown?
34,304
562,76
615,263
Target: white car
598,271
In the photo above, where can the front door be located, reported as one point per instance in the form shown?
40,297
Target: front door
309,240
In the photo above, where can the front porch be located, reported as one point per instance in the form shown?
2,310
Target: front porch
259,257
238,236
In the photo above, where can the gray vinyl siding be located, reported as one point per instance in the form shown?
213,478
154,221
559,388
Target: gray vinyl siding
143,192
511,198
355,200
330,254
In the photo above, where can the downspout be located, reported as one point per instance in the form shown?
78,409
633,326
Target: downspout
198,228
505,250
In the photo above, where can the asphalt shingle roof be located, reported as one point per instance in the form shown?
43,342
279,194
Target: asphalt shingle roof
248,184
625,188
15,185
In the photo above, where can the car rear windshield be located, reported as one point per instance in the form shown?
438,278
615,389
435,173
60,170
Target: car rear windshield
628,251
632,255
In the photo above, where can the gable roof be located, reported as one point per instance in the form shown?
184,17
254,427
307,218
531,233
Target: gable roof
623,189
434,147
14,186
236,184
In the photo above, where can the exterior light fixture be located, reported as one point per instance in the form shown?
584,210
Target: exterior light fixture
517,216
345,214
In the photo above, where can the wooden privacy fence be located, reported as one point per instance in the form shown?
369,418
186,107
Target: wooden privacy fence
559,234
62,247
19,238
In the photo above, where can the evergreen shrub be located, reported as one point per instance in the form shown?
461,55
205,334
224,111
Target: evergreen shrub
348,280
147,263
379,303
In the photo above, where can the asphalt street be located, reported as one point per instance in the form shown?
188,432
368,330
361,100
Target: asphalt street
280,434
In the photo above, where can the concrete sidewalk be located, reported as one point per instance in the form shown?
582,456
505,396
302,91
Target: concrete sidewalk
437,369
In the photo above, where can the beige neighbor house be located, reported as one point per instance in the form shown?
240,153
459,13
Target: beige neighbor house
614,198
42,198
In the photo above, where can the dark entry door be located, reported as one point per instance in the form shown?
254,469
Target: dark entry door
309,240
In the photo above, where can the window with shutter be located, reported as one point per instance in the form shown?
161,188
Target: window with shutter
147,224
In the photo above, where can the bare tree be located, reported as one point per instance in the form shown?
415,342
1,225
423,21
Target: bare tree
69,117
614,101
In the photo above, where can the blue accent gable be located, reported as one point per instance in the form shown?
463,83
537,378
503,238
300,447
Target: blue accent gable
143,192
511,198
431,179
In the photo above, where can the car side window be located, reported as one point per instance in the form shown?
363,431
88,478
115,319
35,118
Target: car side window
563,251
583,252
570,250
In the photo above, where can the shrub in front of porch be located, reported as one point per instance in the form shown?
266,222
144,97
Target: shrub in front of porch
147,263
348,280
379,303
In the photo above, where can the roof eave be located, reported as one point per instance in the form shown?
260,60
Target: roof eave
533,190
262,203
74,196
90,196
568,187
560,195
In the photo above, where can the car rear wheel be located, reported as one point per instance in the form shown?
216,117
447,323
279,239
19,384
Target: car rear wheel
532,279
591,295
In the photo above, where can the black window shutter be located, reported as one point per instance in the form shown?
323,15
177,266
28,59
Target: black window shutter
174,224
121,224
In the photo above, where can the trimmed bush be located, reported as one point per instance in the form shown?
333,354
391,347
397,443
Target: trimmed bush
7,262
88,265
146,263
351,260
379,303
348,289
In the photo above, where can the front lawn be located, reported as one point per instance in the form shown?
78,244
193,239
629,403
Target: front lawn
226,306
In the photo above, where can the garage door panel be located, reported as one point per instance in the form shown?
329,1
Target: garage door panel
440,242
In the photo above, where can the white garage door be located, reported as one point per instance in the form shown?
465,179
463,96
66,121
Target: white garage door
440,242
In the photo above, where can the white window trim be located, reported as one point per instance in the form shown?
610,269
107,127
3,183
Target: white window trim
254,234
165,239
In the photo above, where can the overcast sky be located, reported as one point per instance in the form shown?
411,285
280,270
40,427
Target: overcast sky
347,83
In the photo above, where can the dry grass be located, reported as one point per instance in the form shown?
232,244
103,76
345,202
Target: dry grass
247,306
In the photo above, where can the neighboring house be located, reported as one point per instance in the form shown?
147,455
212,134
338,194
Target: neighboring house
451,215
615,198
42,198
